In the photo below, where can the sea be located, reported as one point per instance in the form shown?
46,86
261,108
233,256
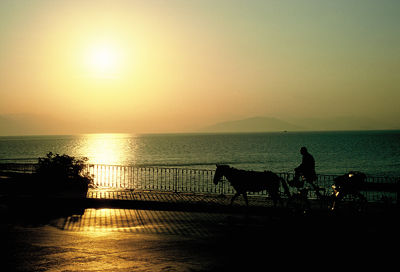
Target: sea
375,153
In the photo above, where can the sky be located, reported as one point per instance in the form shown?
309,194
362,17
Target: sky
177,66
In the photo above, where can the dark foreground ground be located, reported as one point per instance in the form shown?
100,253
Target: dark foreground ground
148,231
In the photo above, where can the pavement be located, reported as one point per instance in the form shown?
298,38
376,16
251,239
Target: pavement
130,240
119,230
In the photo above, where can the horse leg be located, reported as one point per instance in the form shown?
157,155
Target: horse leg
280,200
275,198
245,199
234,197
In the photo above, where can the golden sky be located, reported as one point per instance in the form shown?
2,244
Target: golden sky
176,66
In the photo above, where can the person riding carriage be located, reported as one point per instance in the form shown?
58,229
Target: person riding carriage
306,170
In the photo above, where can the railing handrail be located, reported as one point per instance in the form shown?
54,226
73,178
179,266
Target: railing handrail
5,167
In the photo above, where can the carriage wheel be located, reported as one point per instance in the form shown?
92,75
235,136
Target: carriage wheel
353,203
298,205
325,203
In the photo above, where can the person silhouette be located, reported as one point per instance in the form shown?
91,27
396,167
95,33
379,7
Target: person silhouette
305,169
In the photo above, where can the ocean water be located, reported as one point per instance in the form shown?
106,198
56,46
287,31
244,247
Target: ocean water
375,153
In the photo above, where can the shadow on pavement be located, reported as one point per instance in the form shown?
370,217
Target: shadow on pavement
107,234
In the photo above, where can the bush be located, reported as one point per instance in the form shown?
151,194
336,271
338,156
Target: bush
62,168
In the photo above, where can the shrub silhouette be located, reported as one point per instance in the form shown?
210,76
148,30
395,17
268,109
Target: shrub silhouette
64,166
63,172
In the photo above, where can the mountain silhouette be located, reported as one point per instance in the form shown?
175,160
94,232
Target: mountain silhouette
255,124
43,124
341,123
37,124
268,124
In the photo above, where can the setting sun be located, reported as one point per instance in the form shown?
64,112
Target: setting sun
103,60
181,66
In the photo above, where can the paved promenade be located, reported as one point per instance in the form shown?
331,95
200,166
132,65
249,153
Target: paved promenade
171,200
119,230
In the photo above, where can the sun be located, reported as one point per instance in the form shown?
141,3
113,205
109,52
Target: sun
103,60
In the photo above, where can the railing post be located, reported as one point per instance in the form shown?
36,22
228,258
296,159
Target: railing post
175,175
223,187
397,191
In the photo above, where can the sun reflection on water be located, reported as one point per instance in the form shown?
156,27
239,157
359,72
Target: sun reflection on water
109,149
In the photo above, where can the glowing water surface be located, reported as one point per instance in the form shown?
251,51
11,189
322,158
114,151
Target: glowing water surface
373,152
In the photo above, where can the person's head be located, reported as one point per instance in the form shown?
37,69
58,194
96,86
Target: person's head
303,150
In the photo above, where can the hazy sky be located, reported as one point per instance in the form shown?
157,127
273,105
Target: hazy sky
173,66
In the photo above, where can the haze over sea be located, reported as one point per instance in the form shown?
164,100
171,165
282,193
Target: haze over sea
375,153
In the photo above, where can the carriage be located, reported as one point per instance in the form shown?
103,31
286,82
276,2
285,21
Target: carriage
345,197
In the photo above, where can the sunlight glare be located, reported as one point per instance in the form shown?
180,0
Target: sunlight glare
104,60
108,149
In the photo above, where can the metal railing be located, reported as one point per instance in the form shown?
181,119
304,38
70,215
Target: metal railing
154,178
28,168
200,181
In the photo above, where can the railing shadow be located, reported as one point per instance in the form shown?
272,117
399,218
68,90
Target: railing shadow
158,222
27,212
180,198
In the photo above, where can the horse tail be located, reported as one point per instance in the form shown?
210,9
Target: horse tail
285,186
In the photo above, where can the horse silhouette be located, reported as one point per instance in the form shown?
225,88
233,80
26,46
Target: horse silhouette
251,181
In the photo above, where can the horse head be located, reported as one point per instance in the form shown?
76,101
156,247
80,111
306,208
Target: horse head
219,173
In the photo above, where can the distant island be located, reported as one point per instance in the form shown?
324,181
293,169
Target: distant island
39,124
255,124
270,124
42,124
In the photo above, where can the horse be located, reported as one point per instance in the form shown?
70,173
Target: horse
251,181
